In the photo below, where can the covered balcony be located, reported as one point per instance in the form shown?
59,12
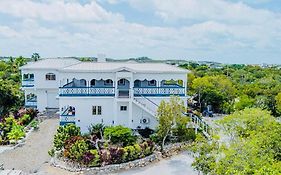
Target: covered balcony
28,80
67,115
31,101
163,88
94,88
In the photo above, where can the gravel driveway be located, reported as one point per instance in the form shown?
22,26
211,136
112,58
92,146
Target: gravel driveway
31,156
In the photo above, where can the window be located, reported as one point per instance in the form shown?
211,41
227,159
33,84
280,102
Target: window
50,76
152,83
28,76
123,108
108,82
93,82
121,82
96,110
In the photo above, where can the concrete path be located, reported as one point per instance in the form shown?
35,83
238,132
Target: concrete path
179,164
34,154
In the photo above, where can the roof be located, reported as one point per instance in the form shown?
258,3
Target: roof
51,63
114,67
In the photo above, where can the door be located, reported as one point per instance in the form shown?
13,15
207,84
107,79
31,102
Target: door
52,101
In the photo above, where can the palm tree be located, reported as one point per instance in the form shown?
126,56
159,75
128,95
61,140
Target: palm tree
35,56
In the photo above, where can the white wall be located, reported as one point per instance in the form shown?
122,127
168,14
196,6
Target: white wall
83,110
139,114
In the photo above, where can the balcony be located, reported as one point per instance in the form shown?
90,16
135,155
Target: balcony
159,91
27,83
68,115
86,91
67,120
31,104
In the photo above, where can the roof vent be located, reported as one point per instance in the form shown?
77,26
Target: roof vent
101,58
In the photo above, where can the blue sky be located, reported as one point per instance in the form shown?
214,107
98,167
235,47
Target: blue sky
228,31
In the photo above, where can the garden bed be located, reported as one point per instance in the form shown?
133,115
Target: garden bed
168,151
15,128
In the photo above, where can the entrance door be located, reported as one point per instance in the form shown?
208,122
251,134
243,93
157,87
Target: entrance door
52,101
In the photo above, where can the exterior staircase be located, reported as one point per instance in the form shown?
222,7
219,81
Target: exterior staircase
197,122
143,106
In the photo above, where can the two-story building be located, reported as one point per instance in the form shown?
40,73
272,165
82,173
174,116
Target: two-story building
102,92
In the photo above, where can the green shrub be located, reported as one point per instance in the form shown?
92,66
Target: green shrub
133,152
51,152
147,148
34,124
32,113
96,129
77,150
120,135
16,133
184,134
64,133
96,160
25,119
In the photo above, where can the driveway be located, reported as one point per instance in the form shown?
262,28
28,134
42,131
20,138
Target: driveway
34,153
179,164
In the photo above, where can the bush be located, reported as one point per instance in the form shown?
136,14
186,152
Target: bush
96,130
133,152
116,155
91,158
184,134
32,113
147,148
77,150
145,133
16,133
120,135
6,127
34,124
25,119
64,133
105,157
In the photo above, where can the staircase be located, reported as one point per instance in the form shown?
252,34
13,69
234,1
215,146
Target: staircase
197,122
143,106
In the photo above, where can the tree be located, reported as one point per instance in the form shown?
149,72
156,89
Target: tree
35,56
10,96
278,103
251,144
169,114
215,91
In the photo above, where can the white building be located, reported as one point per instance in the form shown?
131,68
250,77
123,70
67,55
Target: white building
102,92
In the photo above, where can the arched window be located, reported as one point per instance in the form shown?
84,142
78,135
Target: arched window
137,83
93,82
83,83
152,83
108,82
50,76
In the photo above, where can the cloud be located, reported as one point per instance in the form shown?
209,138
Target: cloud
66,27
58,11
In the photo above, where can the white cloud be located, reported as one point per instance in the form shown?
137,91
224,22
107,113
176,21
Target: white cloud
58,11
67,28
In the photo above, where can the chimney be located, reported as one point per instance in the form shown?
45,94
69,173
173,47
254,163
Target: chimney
101,58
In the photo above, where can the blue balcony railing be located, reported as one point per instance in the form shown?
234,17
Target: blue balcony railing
31,104
159,91
67,120
86,91
27,83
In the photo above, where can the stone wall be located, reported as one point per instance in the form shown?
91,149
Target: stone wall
168,151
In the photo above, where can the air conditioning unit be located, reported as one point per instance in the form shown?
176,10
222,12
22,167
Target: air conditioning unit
144,120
